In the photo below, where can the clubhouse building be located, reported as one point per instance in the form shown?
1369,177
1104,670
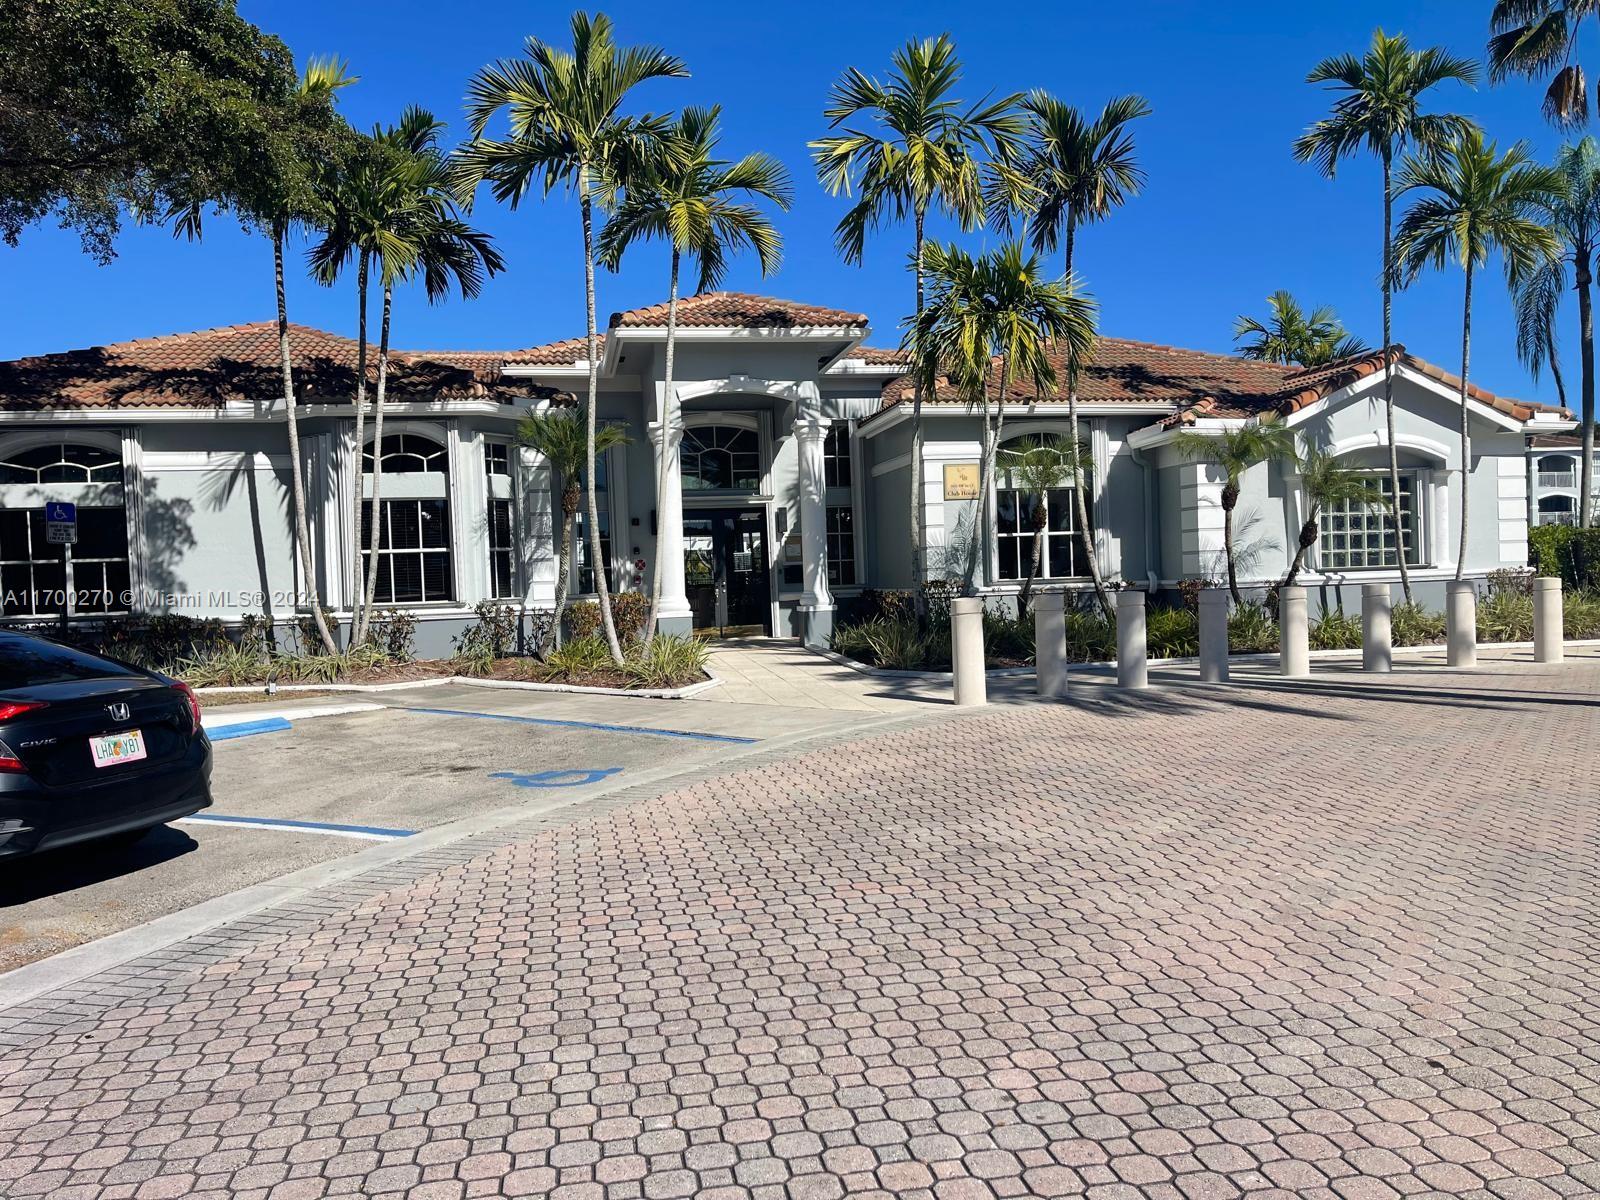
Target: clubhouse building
786,473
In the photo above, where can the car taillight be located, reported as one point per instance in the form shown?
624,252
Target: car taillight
194,702
15,708
10,764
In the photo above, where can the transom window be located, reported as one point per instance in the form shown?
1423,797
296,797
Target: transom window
836,455
720,458
413,550
62,462
496,458
31,579
1355,536
410,452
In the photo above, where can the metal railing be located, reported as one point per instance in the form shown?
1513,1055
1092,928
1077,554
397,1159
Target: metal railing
1557,479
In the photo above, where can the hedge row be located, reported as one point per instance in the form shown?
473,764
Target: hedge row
1564,550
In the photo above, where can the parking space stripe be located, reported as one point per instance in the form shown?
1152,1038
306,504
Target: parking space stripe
598,725
371,833
239,729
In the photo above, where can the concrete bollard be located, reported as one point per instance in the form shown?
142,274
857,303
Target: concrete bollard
1133,650
1377,633
1050,644
1461,623
966,651
1214,635
1294,633
1549,645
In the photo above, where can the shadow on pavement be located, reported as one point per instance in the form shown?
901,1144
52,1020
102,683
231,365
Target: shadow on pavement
59,871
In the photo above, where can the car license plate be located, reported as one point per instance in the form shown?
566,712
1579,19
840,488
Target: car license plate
115,748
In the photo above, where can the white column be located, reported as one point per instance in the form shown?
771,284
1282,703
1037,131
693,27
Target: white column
1133,648
538,532
967,672
1050,644
675,615
1548,643
1377,642
817,602
1213,635
1294,648
1461,623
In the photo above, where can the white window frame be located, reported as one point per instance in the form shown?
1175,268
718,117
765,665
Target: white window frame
1091,502
616,495
401,486
1420,496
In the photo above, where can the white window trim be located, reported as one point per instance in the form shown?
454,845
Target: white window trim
616,502
1423,499
993,583
417,485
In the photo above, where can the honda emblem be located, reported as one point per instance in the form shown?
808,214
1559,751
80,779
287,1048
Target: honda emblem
118,711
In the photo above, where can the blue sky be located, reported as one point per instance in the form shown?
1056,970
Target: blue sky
1227,215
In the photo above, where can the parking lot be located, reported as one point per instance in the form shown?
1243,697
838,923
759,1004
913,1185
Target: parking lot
335,786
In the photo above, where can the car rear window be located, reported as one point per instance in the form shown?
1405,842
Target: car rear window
26,662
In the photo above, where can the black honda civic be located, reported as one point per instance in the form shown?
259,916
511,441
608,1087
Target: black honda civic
92,748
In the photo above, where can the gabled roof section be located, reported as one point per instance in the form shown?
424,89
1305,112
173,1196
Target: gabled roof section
238,364
708,310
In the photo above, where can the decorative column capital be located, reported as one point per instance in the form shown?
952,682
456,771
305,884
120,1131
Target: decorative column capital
812,428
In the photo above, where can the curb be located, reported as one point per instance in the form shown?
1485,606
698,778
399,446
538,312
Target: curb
683,693
223,719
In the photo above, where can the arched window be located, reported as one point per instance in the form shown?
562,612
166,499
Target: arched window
1558,470
409,452
1557,510
720,458
1036,508
61,462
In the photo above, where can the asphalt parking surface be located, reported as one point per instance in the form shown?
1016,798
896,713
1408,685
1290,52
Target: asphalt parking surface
336,785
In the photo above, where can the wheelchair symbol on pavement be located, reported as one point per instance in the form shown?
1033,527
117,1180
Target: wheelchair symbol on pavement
554,779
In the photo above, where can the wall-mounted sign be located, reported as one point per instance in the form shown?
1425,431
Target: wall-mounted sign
961,481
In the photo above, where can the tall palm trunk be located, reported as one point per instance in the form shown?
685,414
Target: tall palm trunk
918,525
373,538
1466,434
1583,278
1079,503
571,497
1388,367
991,443
602,585
667,424
1308,539
1040,518
1230,498
297,483
353,573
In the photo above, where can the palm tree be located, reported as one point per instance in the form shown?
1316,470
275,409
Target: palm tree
400,213
318,85
1292,336
998,313
1380,110
1480,202
1573,214
921,151
1531,38
1324,483
1039,465
562,437
568,131
1236,451
1072,171
699,204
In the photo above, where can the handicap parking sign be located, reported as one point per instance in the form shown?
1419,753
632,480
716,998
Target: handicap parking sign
60,523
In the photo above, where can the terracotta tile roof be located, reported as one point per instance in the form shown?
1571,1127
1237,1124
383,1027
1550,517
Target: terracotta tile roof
238,363
1560,441
1308,386
1126,371
709,310
739,310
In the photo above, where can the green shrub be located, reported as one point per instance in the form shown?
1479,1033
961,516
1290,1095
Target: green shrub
1581,614
1335,630
629,611
1413,625
1006,637
492,636
1252,630
394,632
896,645
1090,637
668,661
1566,551
1172,633
581,656
231,666
1505,617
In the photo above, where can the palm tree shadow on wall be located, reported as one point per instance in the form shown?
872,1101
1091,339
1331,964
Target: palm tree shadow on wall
218,488
166,535
1251,545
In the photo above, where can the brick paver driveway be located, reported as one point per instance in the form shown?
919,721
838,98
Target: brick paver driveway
1323,944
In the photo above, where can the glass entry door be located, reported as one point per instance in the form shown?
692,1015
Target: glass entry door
726,572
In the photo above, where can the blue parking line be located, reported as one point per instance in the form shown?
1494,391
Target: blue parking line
362,831
247,728
643,729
